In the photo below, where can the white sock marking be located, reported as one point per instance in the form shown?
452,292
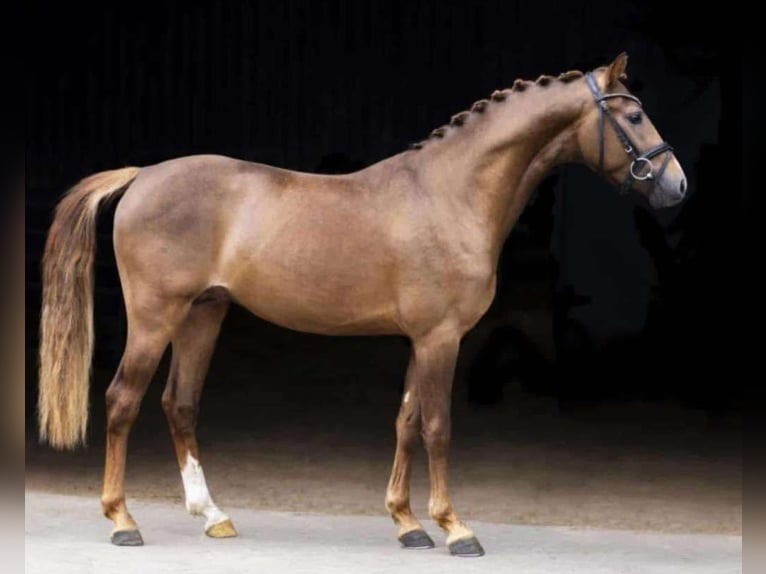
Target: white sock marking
198,499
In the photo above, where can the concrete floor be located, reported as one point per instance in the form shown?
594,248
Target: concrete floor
66,534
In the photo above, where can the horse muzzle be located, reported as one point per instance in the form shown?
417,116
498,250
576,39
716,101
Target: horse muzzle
670,188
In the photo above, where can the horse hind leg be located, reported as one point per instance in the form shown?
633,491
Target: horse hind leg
193,346
151,322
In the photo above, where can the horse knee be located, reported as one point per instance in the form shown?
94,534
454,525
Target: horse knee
408,420
407,426
436,433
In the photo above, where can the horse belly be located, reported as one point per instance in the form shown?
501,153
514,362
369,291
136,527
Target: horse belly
323,300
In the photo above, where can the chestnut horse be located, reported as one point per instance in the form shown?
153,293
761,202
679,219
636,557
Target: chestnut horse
408,246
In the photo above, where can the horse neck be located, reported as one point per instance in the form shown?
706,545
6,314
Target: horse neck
488,167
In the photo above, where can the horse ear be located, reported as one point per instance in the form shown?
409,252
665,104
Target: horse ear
616,70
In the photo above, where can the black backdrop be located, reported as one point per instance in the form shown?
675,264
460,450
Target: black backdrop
648,301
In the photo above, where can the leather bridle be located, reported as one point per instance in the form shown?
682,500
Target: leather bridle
640,161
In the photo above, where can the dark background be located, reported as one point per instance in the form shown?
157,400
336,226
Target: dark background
600,299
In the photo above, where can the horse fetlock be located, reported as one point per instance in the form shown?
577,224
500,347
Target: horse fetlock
198,499
396,503
199,503
196,507
111,505
442,514
115,510
207,508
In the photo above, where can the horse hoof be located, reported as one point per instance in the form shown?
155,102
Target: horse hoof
416,540
223,529
466,547
127,538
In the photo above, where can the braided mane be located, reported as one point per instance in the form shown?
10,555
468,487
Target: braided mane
498,96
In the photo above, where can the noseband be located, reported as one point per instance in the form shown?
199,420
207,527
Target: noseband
640,160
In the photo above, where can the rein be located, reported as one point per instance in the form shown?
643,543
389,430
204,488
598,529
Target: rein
641,161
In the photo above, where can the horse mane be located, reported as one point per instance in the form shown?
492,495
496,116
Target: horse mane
498,96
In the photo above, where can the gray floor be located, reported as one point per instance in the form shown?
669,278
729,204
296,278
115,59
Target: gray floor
66,534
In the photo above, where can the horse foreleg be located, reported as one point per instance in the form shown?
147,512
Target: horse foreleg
193,346
411,533
435,359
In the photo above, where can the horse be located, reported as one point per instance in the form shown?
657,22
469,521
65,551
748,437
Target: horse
407,246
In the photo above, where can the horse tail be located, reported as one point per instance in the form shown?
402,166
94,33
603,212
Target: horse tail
66,325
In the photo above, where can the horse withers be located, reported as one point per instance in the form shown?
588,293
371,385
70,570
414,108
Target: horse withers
408,246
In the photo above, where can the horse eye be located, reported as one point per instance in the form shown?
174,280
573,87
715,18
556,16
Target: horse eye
635,118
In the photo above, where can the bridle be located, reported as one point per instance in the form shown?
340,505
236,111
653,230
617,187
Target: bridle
640,160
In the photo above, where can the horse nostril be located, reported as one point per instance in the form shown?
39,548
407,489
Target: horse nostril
682,189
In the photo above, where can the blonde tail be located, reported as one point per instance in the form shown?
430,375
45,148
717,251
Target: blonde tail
66,325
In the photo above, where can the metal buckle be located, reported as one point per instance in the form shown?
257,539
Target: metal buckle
637,177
